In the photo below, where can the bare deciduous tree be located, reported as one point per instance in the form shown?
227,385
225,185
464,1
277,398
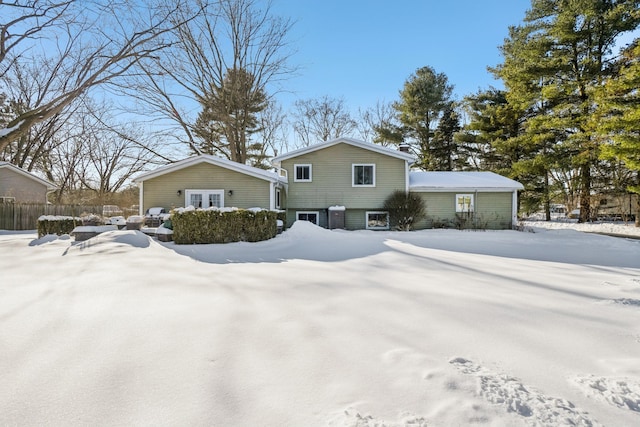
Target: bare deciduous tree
24,20
96,43
381,116
112,152
26,85
273,130
321,120
224,35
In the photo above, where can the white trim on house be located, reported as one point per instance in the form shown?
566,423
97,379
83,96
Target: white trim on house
366,220
140,197
205,196
216,161
465,202
461,182
19,170
406,177
514,209
316,213
354,142
353,174
302,165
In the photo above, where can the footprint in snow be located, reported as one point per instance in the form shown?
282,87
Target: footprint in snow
620,392
536,407
627,301
353,418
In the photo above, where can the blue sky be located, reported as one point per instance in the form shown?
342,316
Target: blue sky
364,50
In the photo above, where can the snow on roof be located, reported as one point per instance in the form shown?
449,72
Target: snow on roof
214,160
461,181
351,141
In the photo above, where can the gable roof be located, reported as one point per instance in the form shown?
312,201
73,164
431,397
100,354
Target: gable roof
212,160
350,141
461,181
7,165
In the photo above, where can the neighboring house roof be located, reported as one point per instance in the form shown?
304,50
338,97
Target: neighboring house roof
216,161
461,181
354,142
7,165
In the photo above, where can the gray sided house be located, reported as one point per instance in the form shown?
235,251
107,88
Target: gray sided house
343,183
19,186
466,199
205,181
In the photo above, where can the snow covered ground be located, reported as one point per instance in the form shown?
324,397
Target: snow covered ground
322,328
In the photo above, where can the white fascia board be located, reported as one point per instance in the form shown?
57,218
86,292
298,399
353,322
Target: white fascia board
350,141
216,161
462,189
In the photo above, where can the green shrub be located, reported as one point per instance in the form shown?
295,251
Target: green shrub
405,209
282,216
56,225
216,226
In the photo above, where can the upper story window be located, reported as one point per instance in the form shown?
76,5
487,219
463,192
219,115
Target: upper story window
363,175
302,173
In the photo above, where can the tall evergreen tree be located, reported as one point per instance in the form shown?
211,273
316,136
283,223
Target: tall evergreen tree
423,98
553,64
619,117
229,118
444,149
492,124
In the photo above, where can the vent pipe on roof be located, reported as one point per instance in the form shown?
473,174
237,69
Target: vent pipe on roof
404,147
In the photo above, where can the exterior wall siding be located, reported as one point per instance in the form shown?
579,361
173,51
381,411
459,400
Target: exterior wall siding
248,191
24,189
331,183
492,210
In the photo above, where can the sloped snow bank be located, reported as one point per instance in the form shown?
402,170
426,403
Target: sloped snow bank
318,327
616,228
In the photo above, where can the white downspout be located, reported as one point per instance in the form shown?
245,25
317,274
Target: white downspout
272,196
514,209
406,176
140,198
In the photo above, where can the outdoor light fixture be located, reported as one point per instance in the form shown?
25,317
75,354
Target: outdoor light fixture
230,192
179,193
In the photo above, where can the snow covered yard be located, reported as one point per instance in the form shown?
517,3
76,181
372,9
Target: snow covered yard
317,328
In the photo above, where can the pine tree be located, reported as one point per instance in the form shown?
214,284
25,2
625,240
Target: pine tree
553,64
423,98
619,117
444,149
229,118
492,123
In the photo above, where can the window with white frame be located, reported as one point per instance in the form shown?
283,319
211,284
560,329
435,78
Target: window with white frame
204,198
363,175
464,202
377,220
302,173
307,216
277,198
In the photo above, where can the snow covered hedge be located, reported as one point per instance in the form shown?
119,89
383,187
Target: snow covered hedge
222,225
49,224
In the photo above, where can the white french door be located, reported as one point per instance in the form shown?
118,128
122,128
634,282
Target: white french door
204,198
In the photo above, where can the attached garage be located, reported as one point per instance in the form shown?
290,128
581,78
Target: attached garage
481,200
